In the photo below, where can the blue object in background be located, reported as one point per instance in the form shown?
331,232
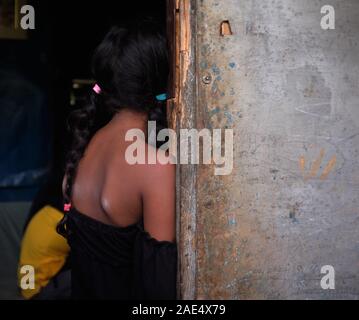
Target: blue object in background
25,137
162,97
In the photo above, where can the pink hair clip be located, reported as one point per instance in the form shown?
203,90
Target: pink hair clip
67,207
97,88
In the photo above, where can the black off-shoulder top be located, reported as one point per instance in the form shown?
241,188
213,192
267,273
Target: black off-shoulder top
112,263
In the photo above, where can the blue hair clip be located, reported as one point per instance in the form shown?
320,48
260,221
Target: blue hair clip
162,97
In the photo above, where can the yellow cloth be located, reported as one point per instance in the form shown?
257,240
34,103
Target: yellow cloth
43,249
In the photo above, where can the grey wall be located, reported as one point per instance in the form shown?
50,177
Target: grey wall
290,91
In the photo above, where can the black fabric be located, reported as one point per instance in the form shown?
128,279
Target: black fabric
59,288
111,263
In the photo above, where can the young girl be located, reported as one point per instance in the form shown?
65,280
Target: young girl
120,218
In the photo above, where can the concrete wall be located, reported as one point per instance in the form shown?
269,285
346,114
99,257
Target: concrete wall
290,91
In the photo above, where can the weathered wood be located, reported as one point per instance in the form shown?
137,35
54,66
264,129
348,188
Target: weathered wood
182,115
171,40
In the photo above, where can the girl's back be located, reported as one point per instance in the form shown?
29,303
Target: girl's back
120,222
109,189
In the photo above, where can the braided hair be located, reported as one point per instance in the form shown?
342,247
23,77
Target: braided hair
131,68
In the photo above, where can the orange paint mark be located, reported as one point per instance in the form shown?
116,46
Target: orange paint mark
316,167
329,168
226,29
316,164
302,164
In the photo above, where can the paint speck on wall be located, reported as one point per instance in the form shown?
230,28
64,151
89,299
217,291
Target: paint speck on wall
232,65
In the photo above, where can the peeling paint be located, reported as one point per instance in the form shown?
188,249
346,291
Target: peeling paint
216,70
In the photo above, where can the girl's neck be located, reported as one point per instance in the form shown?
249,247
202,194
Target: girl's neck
130,119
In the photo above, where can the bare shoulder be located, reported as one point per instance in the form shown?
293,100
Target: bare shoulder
144,163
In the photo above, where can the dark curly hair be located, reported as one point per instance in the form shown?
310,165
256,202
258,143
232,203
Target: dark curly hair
131,68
